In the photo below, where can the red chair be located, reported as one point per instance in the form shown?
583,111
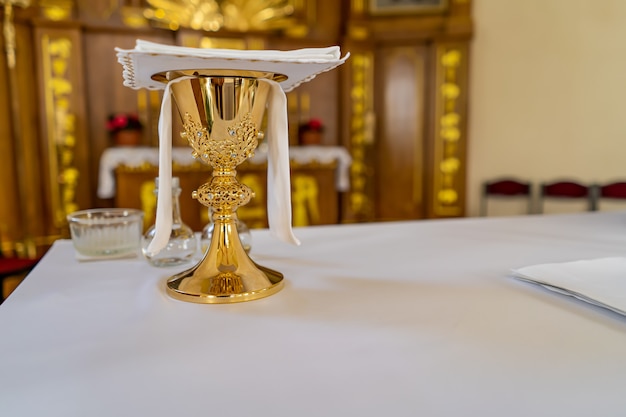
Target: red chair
506,188
10,267
615,190
611,191
568,190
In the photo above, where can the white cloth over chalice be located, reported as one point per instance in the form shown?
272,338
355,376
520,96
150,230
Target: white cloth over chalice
147,59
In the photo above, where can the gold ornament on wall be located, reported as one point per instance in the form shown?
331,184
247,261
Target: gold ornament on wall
20,149
361,134
449,137
8,28
232,15
61,121
56,9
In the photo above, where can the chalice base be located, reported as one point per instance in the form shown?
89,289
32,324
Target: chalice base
226,274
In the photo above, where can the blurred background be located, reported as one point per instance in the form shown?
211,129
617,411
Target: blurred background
437,97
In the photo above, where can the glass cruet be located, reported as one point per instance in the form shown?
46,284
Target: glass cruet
181,246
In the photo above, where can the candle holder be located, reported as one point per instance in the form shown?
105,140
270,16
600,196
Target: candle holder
221,113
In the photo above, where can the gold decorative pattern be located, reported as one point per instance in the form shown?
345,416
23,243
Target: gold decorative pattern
304,196
232,15
133,17
20,144
254,213
148,203
56,9
8,28
238,144
226,283
224,193
61,122
361,133
448,136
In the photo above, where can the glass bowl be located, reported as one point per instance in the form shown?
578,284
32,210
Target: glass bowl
106,232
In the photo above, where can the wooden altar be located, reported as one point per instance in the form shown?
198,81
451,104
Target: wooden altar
318,177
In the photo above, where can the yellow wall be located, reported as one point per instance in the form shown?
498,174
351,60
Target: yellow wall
548,91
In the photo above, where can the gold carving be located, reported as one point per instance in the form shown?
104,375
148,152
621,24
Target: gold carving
56,9
450,165
237,145
148,202
254,213
225,284
134,17
447,196
449,133
21,150
233,15
224,192
8,28
361,134
61,122
305,200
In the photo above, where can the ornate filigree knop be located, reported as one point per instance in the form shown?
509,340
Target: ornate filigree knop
224,193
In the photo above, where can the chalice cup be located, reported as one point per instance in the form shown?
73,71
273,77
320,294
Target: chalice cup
221,113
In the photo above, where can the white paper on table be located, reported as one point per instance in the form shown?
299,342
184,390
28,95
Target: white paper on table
601,282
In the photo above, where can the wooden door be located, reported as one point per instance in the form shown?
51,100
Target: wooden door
400,106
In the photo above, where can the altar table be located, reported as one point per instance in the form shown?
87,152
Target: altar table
390,319
318,175
137,156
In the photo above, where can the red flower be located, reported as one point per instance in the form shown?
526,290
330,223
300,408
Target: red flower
123,121
315,124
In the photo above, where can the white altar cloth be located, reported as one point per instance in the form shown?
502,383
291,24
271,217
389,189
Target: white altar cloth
111,158
391,319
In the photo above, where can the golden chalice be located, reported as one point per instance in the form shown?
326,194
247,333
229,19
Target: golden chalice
222,111
221,106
